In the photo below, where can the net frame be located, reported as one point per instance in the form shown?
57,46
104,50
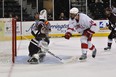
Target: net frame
14,50
8,41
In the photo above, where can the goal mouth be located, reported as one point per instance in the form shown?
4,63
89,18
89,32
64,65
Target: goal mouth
7,40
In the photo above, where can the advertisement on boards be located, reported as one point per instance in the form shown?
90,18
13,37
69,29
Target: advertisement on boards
58,27
102,25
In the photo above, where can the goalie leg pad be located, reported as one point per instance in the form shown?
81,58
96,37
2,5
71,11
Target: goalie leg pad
34,59
33,49
41,56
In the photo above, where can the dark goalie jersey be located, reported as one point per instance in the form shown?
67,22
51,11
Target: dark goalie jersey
112,21
41,29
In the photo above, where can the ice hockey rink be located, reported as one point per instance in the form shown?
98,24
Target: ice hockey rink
104,65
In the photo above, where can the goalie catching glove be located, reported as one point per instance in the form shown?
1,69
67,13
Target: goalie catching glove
67,35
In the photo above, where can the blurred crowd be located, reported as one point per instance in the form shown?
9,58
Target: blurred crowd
96,8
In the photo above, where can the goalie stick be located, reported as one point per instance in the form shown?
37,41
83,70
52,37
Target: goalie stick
30,28
73,59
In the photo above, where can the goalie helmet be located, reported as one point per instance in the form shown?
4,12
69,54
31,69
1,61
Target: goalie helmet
43,14
74,10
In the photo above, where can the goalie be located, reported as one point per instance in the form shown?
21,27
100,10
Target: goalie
39,44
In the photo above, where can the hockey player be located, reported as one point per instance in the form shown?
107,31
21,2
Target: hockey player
39,44
112,26
86,27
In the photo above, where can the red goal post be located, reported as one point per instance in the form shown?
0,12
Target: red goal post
7,40
14,46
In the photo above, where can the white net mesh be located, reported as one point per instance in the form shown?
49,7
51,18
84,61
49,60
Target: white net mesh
5,40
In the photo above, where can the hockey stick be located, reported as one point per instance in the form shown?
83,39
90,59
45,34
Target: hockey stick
71,60
29,28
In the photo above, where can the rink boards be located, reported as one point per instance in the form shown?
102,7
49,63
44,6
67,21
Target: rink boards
59,29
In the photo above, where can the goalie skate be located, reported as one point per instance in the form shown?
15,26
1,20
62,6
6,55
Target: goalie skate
33,60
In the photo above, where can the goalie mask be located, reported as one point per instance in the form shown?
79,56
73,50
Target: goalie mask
43,15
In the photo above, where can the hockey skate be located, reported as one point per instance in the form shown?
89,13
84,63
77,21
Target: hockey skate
107,48
83,57
94,53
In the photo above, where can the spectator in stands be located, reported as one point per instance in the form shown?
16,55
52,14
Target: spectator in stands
10,15
98,1
98,9
49,15
36,16
17,18
91,4
62,16
106,3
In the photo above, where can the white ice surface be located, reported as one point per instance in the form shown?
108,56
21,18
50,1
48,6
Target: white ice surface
104,65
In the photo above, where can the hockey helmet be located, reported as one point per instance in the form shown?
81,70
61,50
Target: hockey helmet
108,11
74,10
43,14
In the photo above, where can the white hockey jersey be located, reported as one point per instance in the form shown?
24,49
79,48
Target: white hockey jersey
84,23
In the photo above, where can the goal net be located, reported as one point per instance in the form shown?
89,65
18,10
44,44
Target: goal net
7,40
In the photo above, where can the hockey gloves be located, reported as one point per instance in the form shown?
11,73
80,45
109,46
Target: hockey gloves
88,33
110,27
67,35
